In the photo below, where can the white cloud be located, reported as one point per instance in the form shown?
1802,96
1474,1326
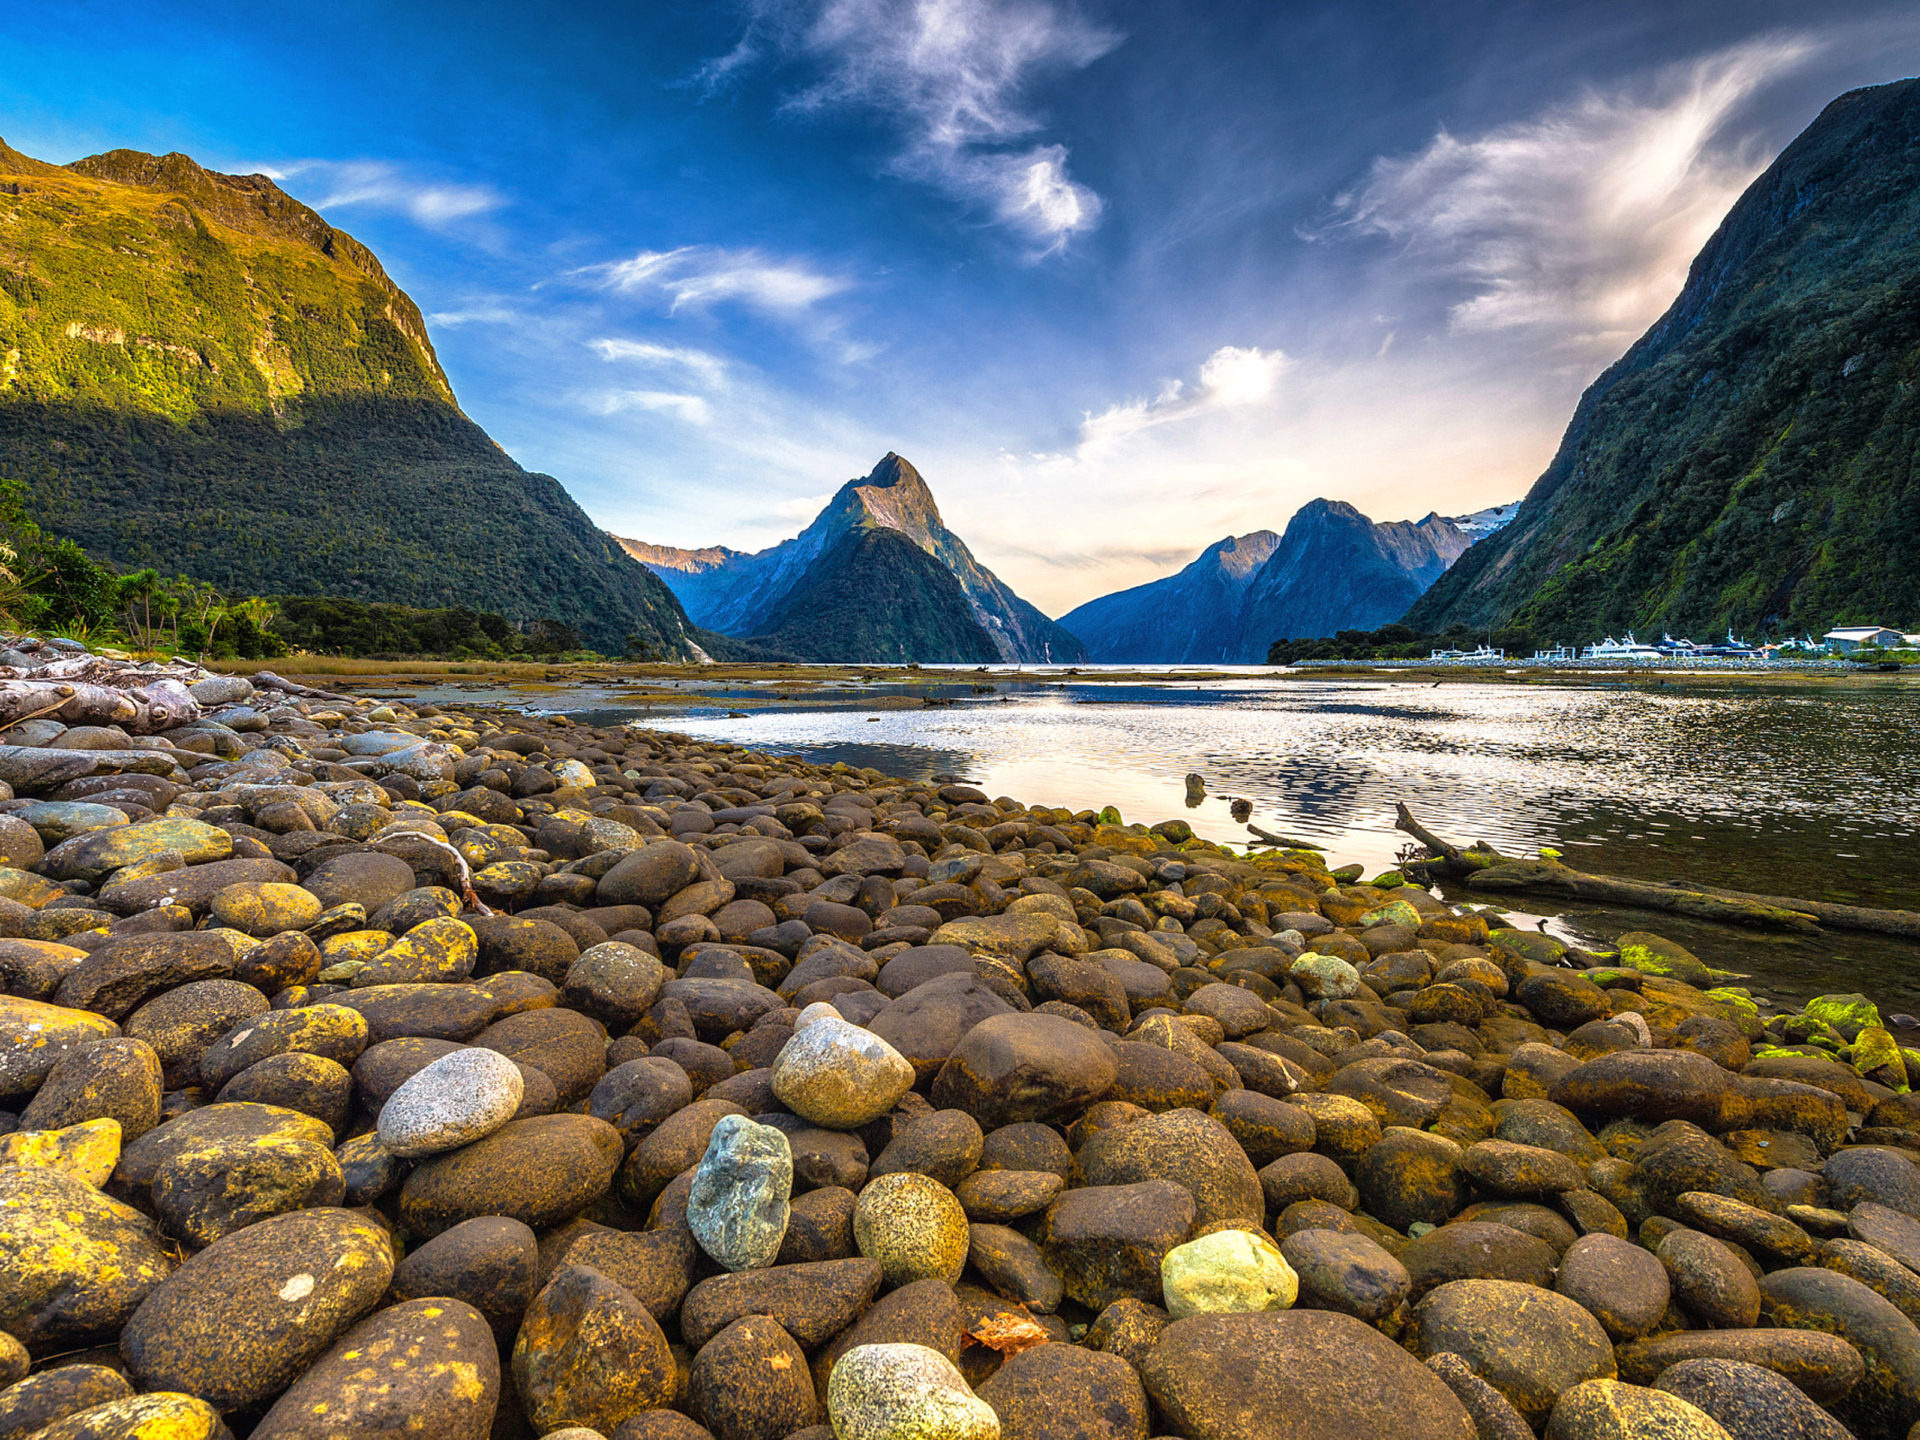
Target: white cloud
954,73
1580,223
379,185
693,409
802,507
481,314
1231,377
697,276
710,368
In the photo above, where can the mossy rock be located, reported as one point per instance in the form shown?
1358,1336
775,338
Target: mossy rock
1846,1014
74,1265
245,1317
1652,954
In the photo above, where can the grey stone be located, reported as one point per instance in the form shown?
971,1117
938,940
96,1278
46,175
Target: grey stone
453,1101
738,1206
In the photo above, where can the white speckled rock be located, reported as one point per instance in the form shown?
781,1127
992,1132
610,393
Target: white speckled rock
838,1075
737,1208
905,1392
456,1100
1228,1270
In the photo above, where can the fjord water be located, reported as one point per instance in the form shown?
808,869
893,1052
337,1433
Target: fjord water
1808,790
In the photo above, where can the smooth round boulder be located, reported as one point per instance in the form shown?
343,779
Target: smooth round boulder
1749,1403
1295,1375
1017,1068
1226,1271
1608,1410
29,1404
839,1076
141,1417
426,1366
588,1353
750,1382
452,1101
238,1322
1528,1343
1191,1149
905,1392
490,1263
74,1265
540,1171
1619,1283
264,908
1349,1273
913,1226
1064,1392
366,878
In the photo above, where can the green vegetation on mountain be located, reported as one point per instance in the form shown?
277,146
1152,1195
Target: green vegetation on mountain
327,625
876,597
199,374
1751,461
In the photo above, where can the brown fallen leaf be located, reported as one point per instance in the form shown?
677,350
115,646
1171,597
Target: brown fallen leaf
1010,1331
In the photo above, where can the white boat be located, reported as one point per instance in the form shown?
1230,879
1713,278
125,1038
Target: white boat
1628,649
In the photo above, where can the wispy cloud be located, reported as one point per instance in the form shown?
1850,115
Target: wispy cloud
956,75
1579,223
477,314
1231,377
802,507
698,276
381,185
691,408
708,367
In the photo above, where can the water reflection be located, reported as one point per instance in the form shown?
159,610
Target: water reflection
1794,791
1789,792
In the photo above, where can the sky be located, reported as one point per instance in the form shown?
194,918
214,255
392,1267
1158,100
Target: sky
1119,278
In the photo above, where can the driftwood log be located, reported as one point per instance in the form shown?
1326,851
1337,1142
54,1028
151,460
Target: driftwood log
1482,868
1267,837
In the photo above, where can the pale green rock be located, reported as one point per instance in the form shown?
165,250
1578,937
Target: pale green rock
1228,1270
1326,977
1110,816
57,820
1394,912
738,1205
1848,1014
905,1392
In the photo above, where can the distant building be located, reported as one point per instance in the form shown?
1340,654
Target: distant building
1855,637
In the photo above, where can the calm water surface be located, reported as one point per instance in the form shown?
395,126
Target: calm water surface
1801,791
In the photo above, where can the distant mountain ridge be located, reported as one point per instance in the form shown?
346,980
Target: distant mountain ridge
1750,461
753,596
1332,569
199,373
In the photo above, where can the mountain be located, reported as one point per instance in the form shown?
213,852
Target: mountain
198,373
1750,461
875,596
1187,618
1333,569
668,557
1337,570
749,596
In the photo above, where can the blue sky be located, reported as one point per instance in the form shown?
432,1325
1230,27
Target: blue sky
1119,278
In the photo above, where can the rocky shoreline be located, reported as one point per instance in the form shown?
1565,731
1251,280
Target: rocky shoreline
369,1070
